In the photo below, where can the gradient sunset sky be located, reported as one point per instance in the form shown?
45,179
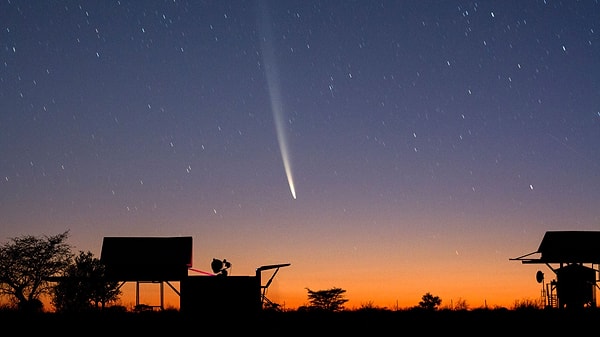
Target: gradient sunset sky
389,148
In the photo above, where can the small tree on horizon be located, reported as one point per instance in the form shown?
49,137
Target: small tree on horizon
328,300
429,302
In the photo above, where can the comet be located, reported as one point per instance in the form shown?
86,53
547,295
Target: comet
274,87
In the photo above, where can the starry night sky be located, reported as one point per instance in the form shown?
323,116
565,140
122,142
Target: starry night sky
428,141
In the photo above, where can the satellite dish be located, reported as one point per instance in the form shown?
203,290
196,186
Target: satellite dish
220,267
216,266
539,276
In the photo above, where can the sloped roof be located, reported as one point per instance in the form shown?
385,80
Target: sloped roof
570,247
147,258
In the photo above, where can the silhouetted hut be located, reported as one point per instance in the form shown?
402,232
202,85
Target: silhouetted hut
159,260
573,256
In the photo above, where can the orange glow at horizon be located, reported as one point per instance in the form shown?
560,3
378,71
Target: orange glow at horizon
361,293
377,271
400,292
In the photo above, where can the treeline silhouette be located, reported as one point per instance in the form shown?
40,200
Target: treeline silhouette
371,322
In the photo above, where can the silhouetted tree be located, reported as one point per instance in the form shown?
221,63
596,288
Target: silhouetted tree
429,302
83,286
27,263
328,300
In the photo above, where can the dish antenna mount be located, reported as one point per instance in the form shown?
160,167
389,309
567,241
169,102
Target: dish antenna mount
539,276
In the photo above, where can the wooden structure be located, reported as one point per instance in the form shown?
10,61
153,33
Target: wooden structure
168,259
219,294
159,260
574,257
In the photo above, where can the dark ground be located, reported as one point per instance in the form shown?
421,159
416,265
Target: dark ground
370,323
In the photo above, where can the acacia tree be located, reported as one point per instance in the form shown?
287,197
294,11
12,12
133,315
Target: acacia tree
28,263
328,300
83,286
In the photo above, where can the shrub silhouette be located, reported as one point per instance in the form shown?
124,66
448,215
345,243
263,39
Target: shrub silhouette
83,286
327,300
429,302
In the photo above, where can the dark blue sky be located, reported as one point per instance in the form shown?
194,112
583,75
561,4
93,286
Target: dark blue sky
416,131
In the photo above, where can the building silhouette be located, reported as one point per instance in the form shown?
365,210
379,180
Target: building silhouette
573,257
165,260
